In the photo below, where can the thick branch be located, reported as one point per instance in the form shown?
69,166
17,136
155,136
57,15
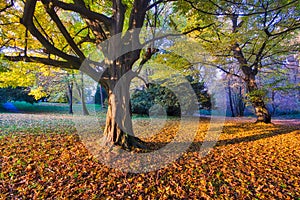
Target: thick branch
84,11
238,54
137,14
118,16
45,61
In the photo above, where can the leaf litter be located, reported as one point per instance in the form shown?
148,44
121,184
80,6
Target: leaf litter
42,157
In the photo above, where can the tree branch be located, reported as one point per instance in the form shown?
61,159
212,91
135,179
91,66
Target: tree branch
27,21
198,29
239,14
156,3
11,4
63,29
45,61
175,35
84,11
259,55
218,67
285,31
118,16
137,15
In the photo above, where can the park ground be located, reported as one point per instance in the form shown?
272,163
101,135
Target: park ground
43,157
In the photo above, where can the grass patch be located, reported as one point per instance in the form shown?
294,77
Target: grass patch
53,108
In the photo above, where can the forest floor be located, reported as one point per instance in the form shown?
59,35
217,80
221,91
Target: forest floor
42,156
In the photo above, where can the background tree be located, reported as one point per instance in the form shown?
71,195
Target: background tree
255,35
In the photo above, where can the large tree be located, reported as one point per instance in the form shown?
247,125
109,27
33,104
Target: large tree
255,35
59,33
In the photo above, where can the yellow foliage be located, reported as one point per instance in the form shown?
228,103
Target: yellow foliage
37,93
20,74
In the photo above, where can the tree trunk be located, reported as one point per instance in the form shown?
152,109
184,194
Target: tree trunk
250,72
239,104
70,97
80,90
84,108
82,96
118,128
230,98
101,97
261,111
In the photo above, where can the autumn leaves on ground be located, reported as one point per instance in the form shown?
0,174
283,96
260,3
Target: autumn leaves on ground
42,157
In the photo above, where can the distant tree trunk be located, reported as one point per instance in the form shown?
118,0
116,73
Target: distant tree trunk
70,96
101,97
80,90
273,102
84,108
239,103
230,98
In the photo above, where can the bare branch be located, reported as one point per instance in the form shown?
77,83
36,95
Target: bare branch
239,14
198,29
175,35
293,28
218,67
259,55
157,3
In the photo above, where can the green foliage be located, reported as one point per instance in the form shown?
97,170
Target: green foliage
257,95
10,94
142,101
157,96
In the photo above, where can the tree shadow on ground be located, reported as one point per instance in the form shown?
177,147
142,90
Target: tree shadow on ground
196,146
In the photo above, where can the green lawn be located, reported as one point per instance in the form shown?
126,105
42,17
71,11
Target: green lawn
52,108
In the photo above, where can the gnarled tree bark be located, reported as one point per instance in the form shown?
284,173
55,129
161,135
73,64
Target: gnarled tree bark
257,101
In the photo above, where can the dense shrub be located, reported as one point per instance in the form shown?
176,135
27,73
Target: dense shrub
16,94
155,98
